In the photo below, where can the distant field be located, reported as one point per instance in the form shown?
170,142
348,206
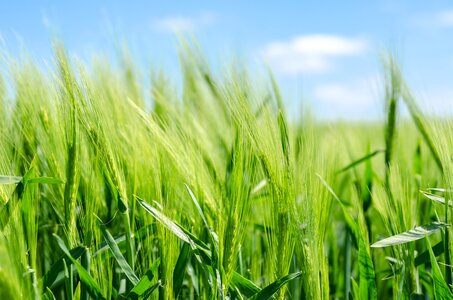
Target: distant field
211,192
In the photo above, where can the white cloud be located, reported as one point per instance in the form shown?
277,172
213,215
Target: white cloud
183,23
350,95
436,20
445,18
311,53
363,99
351,99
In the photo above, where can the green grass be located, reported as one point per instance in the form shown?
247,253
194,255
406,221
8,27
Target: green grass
109,190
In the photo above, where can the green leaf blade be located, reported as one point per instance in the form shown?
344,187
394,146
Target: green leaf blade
9,179
274,287
85,277
411,235
125,267
46,180
441,289
145,285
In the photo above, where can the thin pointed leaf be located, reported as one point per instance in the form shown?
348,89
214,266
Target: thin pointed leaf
244,285
48,295
120,240
274,287
45,180
347,216
213,236
262,184
130,274
54,277
422,258
86,263
68,281
164,220
185,235
436,198
441,289
367,283
84,276
366,268
9,179
203,217
215,253
360,160
411,235
145,286
180,269
284,139
104,246
442,190
149,291
354,293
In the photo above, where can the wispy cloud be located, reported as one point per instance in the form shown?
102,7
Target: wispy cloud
179,23
446,18
353,99
344,95
363,99
311,53
435,20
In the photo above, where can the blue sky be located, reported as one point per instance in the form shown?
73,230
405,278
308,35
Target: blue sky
323,52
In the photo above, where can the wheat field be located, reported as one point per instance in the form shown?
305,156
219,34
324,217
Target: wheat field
112,189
